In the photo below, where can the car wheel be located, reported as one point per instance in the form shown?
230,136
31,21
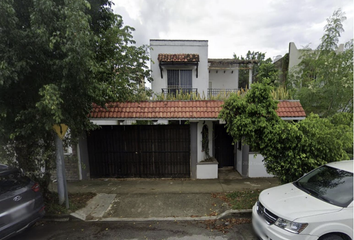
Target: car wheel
332,237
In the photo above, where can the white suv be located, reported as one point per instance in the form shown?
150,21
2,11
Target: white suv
317,206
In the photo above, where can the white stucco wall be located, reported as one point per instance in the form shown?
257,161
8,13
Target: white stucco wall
207,171
224,80
294,56
256,166
180,46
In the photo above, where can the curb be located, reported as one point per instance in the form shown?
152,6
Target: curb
57,218
244,213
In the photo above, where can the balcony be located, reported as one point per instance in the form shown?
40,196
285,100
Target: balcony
179,91
215,92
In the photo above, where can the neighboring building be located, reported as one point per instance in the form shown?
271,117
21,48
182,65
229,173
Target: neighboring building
290,61
183,138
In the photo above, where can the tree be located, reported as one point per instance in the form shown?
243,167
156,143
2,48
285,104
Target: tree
289,149
57,57
267,70
323,80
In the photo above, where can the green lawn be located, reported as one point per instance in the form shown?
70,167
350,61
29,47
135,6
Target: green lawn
243,199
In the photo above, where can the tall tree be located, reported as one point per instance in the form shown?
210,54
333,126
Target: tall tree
323,80
57,57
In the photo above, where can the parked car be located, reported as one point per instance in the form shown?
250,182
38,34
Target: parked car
21,202
317,206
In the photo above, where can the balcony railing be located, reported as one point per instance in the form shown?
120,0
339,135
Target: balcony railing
213,92
178,90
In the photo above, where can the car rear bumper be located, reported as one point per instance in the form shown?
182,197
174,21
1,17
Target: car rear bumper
9,231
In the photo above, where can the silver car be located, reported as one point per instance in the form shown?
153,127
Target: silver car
21,202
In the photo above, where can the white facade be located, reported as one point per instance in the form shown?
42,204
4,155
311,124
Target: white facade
199,47
218,74
256,166
209,77
223,79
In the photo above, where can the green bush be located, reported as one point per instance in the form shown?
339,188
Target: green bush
290,149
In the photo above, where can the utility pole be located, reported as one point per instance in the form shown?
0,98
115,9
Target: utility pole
59,155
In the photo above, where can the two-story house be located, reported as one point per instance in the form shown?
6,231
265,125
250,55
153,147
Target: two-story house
185,138
184,66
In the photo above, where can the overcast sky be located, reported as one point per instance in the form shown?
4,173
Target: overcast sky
235,26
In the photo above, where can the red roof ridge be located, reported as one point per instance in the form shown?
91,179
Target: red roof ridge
180,109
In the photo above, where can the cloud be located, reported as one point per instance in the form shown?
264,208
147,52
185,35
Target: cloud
234,26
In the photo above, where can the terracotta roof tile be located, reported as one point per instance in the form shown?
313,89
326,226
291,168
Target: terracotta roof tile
181,109
186,57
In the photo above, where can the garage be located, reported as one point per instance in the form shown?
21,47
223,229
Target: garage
139,151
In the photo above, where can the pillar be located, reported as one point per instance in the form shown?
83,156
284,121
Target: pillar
250,76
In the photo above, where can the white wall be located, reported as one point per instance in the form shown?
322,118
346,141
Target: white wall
180,46
294,56
256,166
227,80
207,171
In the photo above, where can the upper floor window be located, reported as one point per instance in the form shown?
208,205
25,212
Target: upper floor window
179,80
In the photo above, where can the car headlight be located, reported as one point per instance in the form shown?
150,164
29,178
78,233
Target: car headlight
293,227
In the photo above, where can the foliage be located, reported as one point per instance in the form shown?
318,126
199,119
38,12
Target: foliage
57,57
269,71
344,124
290,149
243,199
281,93
263,69
324,78
180,95
284,69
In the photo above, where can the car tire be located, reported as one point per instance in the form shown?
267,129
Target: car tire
332,237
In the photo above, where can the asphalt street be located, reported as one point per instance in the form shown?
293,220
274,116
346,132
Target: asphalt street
168,230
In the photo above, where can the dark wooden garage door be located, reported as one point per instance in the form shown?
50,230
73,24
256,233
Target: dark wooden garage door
140,151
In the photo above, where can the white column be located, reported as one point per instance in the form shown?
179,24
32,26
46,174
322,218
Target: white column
236,72
250,76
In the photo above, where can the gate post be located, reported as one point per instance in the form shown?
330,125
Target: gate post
193,148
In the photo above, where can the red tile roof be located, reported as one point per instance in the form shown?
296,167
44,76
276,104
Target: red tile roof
290,109
186,57
181,109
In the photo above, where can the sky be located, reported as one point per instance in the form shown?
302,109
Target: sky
235,26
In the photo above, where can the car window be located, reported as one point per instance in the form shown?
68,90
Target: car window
329,184
12,181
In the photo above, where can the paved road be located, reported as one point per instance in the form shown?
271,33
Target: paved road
171,230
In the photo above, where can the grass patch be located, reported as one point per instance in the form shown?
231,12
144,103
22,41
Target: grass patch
76,201
243,199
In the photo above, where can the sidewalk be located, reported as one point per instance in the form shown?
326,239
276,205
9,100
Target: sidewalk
162,199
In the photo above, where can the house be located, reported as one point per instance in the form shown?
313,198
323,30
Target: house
183,138
183,65
288,64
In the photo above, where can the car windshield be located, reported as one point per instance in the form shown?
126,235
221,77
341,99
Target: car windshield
12,181
329,184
